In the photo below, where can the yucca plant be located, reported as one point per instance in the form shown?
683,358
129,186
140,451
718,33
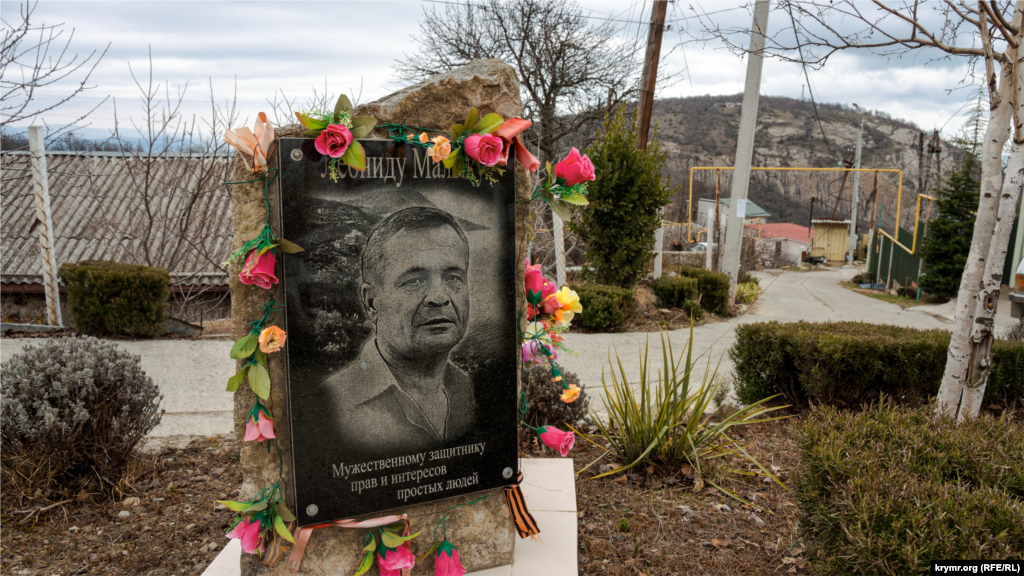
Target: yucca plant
666,423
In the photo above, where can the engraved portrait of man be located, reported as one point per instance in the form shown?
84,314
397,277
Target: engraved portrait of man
402,393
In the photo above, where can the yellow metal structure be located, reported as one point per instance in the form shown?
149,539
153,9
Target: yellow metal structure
917,222
899,191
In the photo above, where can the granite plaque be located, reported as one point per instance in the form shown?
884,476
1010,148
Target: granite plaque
402,347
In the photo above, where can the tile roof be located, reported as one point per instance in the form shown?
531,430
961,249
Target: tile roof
100,213
785,230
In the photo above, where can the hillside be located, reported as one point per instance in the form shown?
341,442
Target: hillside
702,131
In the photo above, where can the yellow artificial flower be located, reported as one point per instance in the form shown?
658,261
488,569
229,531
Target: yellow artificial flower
569,304
570,394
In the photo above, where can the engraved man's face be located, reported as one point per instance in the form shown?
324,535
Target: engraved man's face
421,305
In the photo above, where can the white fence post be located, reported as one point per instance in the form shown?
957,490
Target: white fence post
559,239
47,251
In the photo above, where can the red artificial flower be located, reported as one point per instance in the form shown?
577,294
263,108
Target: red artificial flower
484,148
447,562
334,140
575,168
394,560
259,269
557,440
509,134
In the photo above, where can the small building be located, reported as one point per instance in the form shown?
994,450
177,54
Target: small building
788,241
752,211
831,239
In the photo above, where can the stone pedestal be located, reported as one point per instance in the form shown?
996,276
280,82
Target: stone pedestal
483,532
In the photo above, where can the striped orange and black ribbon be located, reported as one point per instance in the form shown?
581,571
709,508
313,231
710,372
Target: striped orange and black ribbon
521,517
277,549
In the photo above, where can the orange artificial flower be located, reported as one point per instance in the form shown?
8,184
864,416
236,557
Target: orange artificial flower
272,339
255,142
441,149
423,137
570,394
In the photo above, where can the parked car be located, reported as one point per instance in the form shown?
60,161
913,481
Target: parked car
1017,292
702,247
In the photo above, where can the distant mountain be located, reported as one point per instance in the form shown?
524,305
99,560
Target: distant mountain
702,131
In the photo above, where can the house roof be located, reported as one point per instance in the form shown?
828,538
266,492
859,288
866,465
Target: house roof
753,210
786,230
830,222
99,213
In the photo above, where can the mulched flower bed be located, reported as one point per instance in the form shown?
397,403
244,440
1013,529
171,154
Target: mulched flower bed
175,528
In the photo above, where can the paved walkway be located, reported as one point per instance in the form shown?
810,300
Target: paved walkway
192,373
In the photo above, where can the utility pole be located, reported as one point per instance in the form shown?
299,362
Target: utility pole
745,147
646,104
856,195
810,225
718,218
650,75
44,216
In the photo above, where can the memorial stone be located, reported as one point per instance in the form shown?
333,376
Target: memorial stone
408,277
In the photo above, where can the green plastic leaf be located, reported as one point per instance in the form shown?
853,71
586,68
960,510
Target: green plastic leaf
265,248
311,123
577,199
235,381
261,358
258,507
457,130
283,511
362,125
311,133
259,381
371,546
560,208
343,105
282,529
244,347
365,564
236,506
459,165
490,123
450,160
355,156
393,540
471,119
428,552
289,247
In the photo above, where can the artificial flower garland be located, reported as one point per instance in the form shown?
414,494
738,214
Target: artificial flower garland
480,146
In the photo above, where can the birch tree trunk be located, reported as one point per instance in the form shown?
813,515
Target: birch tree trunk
963,347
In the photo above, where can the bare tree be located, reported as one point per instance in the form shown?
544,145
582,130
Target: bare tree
570,72
986,32
34,57
174,192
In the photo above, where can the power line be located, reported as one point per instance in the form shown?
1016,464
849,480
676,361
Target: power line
803,63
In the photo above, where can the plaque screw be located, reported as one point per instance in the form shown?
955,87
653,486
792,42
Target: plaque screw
311,510
296,154
507,472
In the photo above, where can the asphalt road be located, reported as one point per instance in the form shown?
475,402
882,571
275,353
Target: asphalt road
192,373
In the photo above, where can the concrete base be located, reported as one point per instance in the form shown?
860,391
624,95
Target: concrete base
550,490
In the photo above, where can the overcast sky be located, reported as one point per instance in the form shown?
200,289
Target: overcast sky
262,47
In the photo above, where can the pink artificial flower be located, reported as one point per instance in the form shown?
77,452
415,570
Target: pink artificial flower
534,277
447,562
259,430
509,134
575,168
557,440
550,302
533,351
248,533
259,269
333,141
484,148
395,560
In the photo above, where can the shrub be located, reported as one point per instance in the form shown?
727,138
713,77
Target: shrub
693,310
73,411
747,278
851,363
890,489
115,298
660,420
625,206
544,407
747,292
713,288
605,307
673,291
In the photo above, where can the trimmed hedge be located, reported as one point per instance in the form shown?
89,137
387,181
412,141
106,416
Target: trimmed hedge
674,291
605,307
713,288
891,489
115,298
848,364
